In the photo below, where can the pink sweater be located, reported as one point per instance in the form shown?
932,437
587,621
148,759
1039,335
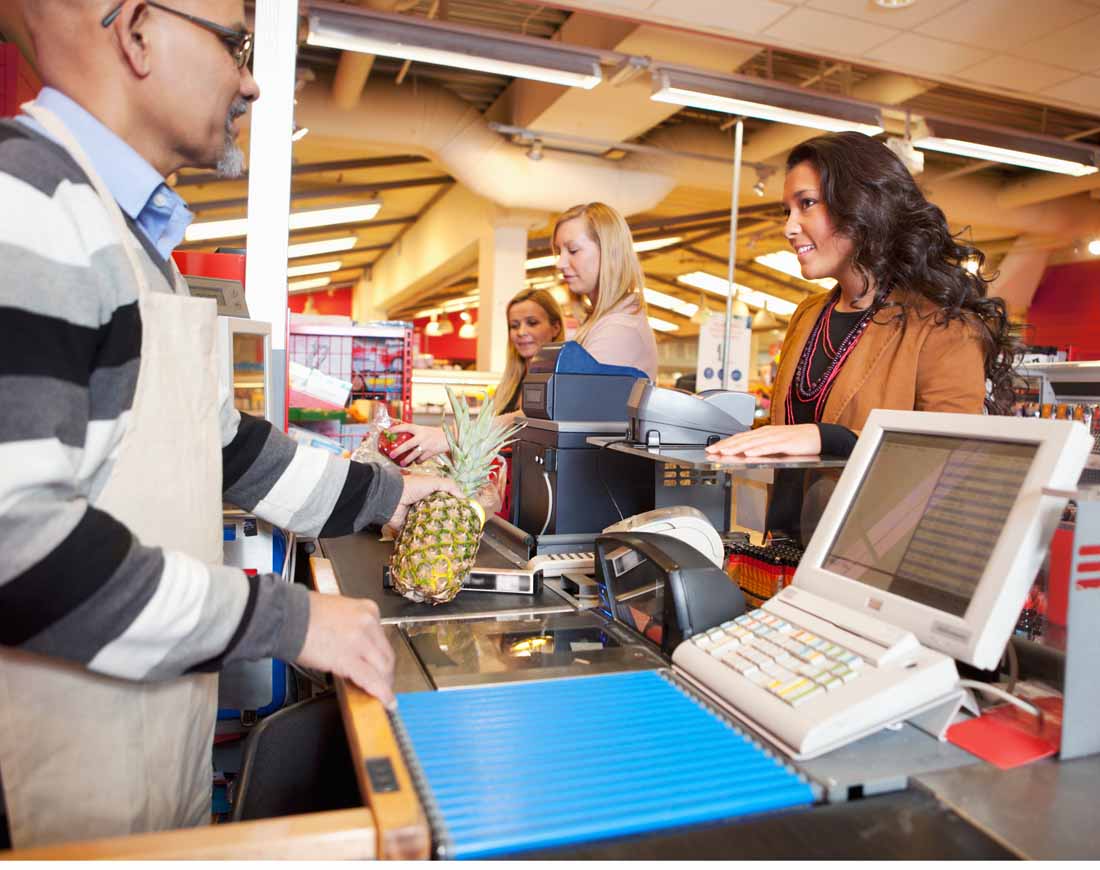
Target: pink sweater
623,337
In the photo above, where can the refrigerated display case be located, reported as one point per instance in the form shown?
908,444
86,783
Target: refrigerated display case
244,356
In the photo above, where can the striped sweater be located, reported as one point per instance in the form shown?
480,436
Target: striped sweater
75,582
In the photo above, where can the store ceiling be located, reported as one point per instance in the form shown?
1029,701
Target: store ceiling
334,167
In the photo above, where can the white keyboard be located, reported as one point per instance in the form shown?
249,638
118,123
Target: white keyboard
813,688
556,564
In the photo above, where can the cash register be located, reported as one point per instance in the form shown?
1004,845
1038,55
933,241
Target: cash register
557,477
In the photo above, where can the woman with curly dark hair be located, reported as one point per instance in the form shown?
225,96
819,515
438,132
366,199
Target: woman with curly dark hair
907,327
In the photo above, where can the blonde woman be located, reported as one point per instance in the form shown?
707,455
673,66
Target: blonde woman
598,263
534,319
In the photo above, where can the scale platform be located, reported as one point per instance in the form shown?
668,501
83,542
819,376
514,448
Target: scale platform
493,783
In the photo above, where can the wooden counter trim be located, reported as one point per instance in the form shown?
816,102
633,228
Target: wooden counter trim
401,824
334,835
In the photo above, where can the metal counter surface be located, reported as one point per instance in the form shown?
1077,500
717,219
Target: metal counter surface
1043,810
909,825
357,561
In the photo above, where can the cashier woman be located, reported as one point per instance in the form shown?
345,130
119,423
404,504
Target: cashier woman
907,327
599,266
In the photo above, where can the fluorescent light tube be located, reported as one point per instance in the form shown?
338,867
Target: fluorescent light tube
313,269
324,246
1000,145
740,95
639,247
662,325
755,298
787,263
308,284
672,303
300,220
335,26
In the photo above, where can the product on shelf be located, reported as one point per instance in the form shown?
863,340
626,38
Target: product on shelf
763,571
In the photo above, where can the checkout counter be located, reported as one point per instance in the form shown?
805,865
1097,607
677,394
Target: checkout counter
563,751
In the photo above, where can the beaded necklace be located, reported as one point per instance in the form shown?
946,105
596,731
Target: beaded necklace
816,391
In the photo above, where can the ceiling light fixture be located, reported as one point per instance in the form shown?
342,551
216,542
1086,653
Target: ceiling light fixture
639,247
299,133
534,151
755,298
662,325
313,269
333,25
787,263
893,4
432,327
324,246
468,329
308,284
1000,145
741,95
672,303
1094,247
299,220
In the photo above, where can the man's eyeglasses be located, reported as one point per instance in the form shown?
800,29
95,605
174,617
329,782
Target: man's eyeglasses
239,42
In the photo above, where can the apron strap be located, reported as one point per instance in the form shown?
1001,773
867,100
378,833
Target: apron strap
56,127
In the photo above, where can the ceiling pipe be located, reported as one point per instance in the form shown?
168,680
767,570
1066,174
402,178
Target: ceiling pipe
354,68
438,124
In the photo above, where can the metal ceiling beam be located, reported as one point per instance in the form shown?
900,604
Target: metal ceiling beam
340,190
192,178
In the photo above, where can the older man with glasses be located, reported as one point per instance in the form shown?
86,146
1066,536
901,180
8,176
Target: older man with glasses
116,449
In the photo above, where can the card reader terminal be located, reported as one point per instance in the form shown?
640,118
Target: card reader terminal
661,588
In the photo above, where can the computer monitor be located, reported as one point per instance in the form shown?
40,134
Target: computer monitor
939,524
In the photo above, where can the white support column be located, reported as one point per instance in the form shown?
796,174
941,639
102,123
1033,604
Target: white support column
276,51
502,257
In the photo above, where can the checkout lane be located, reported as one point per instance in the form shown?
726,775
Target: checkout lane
534,638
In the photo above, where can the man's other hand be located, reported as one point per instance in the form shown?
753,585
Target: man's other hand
345,636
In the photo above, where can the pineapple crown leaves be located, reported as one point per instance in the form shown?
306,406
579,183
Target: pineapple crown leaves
474,444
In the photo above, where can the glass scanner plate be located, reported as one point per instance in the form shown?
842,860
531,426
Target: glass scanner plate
474,652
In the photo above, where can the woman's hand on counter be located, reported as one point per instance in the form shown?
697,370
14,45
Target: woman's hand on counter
800,440
427,441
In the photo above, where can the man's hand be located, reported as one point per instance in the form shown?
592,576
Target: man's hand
418,486
346,637
426,442
797,440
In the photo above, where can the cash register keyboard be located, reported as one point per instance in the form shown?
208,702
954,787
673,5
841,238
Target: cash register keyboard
809,684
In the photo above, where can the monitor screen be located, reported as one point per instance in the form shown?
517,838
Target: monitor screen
927,516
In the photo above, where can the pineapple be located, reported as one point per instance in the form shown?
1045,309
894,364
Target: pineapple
436,547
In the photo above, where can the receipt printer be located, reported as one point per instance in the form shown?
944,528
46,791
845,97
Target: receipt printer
662,588
662,416
565,382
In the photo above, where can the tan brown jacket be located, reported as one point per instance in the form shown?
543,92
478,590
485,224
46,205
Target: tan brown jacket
928,366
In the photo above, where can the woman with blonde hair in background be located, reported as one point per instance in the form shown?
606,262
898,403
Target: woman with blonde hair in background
534,319
596,257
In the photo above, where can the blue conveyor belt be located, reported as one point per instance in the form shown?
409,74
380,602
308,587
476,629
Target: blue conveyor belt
530,765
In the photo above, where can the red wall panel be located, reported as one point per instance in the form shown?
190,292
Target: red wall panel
450,346
1065,311
18,82
335,301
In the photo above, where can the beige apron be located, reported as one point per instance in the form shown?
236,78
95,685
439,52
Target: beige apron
84,755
